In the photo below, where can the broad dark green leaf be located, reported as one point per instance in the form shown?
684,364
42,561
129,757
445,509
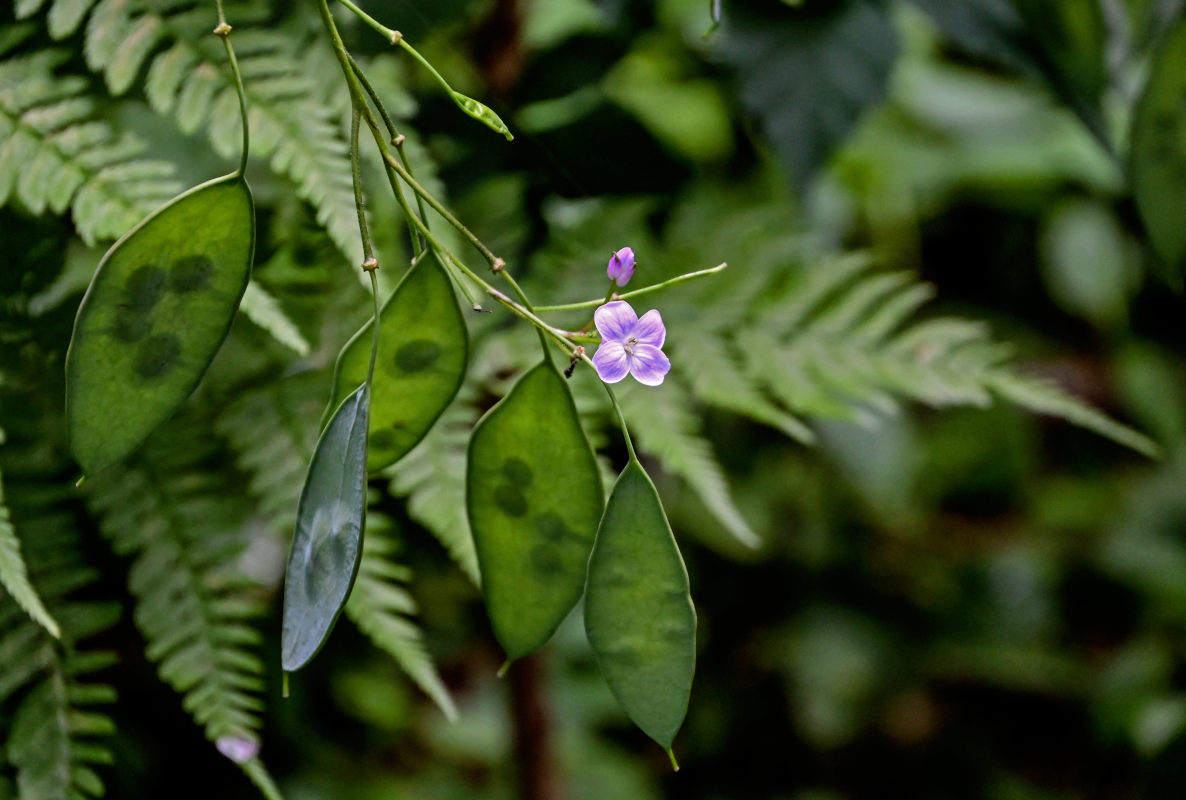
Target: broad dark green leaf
1061,42
638,610
533,495
808,73
157,310
423,349
1159,150
327,545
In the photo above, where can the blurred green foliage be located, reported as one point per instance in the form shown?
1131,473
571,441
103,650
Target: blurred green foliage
966,602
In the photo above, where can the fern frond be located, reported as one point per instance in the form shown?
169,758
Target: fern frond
1045,397
840,341
56,733
292,123
665,425
432,477
55,155
272,430
382,609
14,574
265,311
176,517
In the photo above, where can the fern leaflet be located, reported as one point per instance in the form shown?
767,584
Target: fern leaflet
14,574
54,154
380,606
177,521
292,124
55,737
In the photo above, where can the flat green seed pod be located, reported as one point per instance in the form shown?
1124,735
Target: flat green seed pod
533,496
327,545
638,611
156,312
423,351
1158,163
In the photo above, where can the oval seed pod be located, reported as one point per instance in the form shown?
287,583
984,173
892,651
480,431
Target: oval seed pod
423,351
638,611
157,310
1158,164
327,545
533,496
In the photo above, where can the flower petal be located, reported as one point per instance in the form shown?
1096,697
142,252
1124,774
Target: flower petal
615,321
650,329
648,365
611,362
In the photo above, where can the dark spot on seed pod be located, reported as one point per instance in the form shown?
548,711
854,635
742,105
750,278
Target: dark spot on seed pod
157,355
144,288
546,560
190,273
517,471
382,440
552,528
417,355
509,498
130,325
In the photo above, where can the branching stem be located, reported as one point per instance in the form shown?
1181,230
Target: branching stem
224,30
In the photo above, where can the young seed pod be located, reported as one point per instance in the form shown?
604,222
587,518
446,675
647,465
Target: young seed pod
533,496
327,545
638,610
423,351
157,310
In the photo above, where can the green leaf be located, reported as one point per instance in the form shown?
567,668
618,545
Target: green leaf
423,349
156,313
327,546
15,576
1158,163
807,74
533,496
638,609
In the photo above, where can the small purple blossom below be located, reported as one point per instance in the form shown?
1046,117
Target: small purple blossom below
237,748
621,266
630,345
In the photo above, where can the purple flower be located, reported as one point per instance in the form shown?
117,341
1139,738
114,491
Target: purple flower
621,266
629,344
237,748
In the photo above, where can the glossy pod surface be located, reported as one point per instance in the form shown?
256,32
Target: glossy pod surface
533,496
423,349
638,610
1159,149
157,310
327,545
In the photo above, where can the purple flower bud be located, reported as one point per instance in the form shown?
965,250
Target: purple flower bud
630,345
621,266
237,748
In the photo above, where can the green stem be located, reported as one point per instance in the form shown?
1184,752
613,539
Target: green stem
621,422
397,38
224,30
438,207
357,95
368,249
397,140
373,23
375,324
686,278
